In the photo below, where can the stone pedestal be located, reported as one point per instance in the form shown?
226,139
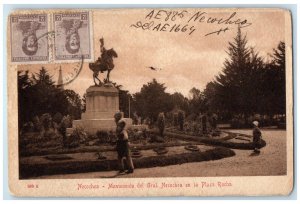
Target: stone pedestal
101,105
101,102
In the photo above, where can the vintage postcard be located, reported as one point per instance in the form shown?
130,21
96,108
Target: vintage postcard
150,102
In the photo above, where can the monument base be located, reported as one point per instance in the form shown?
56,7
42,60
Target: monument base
91,126
102,102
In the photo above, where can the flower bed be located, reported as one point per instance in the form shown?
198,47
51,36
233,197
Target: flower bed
34,169
225,141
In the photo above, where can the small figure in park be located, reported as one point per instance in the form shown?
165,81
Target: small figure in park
161,123
123,144
256,137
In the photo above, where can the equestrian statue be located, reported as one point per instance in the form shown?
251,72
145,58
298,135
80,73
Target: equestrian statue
103,63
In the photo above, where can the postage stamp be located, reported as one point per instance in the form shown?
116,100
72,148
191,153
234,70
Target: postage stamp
72,36
25,32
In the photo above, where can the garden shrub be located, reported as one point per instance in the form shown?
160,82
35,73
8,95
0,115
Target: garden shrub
135,119
196,128
27,127
103,136
77,137
187,127
216,133
161,123
181,119
213,121
37,124
50,134
57,117
135,134
72,141
67,121
175,119
80,133
46,121
191,117
169,119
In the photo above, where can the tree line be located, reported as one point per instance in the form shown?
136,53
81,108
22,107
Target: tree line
38,94
247,85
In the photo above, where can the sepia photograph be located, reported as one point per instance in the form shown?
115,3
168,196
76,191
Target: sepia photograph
156,94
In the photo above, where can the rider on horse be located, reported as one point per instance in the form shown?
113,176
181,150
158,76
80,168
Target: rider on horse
103,63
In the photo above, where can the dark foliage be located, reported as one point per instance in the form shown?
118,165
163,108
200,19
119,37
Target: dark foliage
181,119
151,100
248,85
38,95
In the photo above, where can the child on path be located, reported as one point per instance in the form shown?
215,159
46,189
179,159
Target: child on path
123,144
256,137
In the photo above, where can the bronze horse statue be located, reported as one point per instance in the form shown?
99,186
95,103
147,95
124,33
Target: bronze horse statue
103,63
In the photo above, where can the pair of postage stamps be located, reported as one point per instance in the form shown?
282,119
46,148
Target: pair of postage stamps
50,37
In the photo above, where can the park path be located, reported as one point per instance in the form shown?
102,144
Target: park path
271,161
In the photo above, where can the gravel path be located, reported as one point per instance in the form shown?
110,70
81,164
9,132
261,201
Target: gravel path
271,161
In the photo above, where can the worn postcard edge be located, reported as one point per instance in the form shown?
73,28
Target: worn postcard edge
243,186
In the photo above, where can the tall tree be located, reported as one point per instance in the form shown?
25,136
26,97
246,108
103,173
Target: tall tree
24,93
73,103
274,82
44,92
279,65
38,95
279,56
43,78
235,88
181,102
151,100
197,101
125,99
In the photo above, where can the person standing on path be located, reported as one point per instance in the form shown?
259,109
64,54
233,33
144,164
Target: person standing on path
256,137
123,144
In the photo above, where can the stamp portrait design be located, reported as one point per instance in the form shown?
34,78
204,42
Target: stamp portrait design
25,31
72,36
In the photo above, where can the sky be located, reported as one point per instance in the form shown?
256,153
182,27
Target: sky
183,60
